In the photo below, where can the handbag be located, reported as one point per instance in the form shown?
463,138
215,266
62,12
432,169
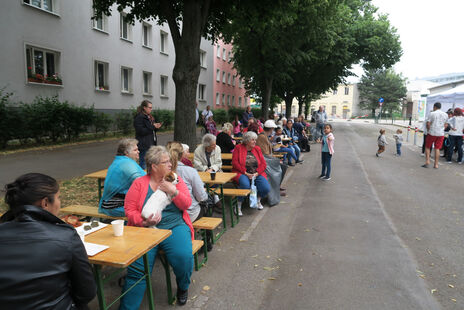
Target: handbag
253,195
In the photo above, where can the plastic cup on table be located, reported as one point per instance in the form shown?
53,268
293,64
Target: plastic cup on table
213,175
118,227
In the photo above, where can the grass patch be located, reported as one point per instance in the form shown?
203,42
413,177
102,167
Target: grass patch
76,191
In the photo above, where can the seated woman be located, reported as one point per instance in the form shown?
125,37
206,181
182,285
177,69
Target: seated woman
248,162
178,246
281,146
291,133
43,262
252,126
121,173
186,155
224,139
207,156
211,126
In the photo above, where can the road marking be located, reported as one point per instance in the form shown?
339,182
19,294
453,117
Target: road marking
253,225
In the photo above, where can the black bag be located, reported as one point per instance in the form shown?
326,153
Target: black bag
114,202
207,205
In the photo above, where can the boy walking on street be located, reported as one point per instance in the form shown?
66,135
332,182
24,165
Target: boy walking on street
381,142
399,141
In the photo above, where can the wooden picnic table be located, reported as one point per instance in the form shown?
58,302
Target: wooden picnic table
100,175
123,251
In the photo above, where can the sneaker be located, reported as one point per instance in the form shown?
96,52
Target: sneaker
449,162
240,211
422,154
321,176
377,154
425,166
182,297
260,206
326,178
291,165
460,162
300,161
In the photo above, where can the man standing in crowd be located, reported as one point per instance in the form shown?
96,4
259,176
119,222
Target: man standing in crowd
145,129
321,119
436,134
206,114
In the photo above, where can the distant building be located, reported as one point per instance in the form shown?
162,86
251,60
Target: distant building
342,102
445,78
107,62
228,87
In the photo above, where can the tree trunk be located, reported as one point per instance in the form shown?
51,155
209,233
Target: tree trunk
288,105
187,69
267,97
300,106
306,110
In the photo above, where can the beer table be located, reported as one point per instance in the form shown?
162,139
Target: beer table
123,251
100,176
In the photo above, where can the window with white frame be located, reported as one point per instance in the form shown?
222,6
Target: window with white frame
201,91
218,98
245,101
223,99
46,5
202,59
218,75
224,54
218,51
146,83
233,100
335,91
42,65
101,75
228,100
347,90
229,58
223,77
146,34
101,23
228,78
163,86
233,80
125,28
239,101
126,80
163,42
239,83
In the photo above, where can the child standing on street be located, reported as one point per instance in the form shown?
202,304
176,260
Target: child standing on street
381,141
399,141
327,150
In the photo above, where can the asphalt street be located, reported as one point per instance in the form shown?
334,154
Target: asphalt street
384,233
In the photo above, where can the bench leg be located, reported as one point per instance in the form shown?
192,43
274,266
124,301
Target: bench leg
167,270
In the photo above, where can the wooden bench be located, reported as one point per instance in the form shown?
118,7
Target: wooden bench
196,246
207,223
88,211
232,194
226,167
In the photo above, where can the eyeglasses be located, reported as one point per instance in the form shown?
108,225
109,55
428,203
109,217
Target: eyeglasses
165,162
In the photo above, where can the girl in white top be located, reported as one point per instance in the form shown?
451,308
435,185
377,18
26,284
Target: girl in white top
456,124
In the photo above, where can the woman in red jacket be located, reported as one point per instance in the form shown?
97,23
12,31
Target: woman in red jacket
178,246
248,162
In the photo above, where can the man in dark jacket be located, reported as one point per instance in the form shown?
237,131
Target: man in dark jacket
145,129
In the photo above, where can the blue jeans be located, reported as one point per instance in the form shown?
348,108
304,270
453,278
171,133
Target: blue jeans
320,128
398,149
116,212
178,250
455,141
296,148
262,185
142,159
326,158
289,152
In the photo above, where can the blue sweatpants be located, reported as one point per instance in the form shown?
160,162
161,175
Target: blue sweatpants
178,249
116,212
326,158
262,185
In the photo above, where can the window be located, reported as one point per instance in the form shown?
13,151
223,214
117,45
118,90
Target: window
218,51
201,91
164,86
239,83
335,91
163,42
233,80
146,35
239,101
223,77
228,78
224,54
228,100
223,99
46,5
245,101
101,23
228,57
202,59
125,29
347,90
334,110
218,98
218,75
126,80
101,75
233,100
42,65
146,83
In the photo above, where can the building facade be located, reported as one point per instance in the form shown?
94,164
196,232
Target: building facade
228,87
55,48
342,102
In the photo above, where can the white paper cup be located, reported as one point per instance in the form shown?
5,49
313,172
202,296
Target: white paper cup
118,227
81,234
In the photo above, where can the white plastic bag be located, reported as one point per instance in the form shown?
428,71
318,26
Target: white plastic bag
253,195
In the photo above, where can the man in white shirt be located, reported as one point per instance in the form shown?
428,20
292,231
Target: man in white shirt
206,114
436,123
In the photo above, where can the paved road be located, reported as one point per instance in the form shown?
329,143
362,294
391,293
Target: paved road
382,234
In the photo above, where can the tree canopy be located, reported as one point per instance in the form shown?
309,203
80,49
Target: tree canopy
383,83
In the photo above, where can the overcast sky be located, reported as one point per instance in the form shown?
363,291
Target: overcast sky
430,33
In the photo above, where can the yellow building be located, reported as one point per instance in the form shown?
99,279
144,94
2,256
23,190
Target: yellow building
342,102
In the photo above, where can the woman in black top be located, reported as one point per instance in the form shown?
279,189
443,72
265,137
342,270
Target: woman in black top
43,263
224,139
145,129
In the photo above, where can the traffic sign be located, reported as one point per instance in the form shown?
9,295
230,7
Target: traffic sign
381,101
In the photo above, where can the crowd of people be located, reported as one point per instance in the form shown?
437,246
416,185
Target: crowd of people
136,173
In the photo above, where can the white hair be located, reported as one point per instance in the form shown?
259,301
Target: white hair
248,136
185,147
208,139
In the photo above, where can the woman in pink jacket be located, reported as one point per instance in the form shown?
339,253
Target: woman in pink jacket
178,246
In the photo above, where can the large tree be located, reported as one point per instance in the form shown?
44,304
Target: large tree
381,83
188,21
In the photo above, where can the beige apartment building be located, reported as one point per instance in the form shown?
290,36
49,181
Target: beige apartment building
342,102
